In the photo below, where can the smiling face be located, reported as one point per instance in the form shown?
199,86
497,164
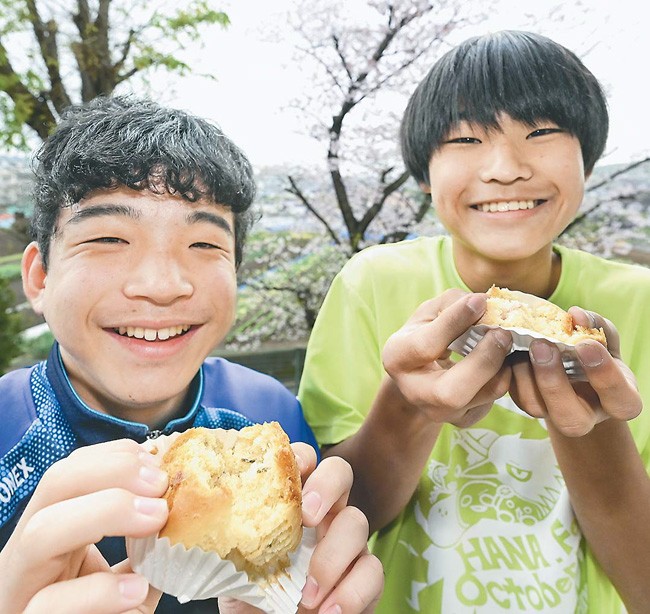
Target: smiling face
140,287
505,194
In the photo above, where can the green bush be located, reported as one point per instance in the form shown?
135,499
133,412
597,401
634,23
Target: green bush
37,348
10,345
10,271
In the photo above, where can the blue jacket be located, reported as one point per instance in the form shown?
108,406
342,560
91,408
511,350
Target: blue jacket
43,420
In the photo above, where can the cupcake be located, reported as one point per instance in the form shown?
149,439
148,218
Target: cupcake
528,317
512,309
234,526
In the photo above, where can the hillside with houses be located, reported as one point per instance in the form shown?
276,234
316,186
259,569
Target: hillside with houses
280,210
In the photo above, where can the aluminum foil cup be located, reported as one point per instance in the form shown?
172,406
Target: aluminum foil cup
521,340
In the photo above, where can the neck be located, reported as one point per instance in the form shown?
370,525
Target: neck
538,274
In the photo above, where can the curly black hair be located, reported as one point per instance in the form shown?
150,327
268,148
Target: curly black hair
137,143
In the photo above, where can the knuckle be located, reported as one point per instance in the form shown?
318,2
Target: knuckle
446,399
374,565
472,416
361,596
575,428
628,411
356,517
56,471
339,468
36,529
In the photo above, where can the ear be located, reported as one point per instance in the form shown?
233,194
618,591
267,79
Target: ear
34,276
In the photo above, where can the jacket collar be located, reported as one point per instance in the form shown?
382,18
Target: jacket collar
91,426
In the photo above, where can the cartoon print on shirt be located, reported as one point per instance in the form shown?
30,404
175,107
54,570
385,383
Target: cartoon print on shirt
500,526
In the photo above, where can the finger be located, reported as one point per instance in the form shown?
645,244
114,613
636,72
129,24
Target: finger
411,347
100,593
591,319
453,390
60,530
523,388
74,523
345,540
359,591
326,491
483,365
612,381
306,459
153,596
571,417
120,464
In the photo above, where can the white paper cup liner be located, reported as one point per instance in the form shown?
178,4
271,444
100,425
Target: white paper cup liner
521,340
196,574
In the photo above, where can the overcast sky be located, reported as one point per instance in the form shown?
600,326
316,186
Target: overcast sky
257,79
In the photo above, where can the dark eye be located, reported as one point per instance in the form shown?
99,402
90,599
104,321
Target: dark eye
205,245
464,139
543,132
107,240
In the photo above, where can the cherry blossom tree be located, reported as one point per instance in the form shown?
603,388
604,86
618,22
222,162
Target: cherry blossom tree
365,57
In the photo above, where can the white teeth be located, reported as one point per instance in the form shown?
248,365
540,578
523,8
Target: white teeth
151,334
513,205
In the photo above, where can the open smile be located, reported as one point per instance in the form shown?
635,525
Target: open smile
509,205
152,334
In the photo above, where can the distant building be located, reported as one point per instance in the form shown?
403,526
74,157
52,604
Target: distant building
6,220
17,180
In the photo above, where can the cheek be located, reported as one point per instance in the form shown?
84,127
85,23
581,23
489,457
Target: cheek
224,291
75,288
448,183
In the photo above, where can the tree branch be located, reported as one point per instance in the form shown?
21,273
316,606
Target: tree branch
339,52
312,53
582,216
46,37
372,212
38,114
296,191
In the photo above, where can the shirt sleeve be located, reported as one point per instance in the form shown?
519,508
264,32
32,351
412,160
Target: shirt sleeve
343,366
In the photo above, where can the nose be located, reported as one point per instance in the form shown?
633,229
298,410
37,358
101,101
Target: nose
505,164
158,276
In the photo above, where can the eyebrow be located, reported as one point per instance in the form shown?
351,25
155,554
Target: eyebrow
84,213
211,218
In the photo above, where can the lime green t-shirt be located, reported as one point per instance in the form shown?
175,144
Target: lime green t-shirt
489,528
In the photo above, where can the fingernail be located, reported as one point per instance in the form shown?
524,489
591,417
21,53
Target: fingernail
309,592
311,503
133,588
334,609
503,338
153,475
590,354
592,318
149,506
541,353
302,466
476,303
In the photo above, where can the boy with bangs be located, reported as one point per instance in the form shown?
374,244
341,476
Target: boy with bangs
140,221
493,482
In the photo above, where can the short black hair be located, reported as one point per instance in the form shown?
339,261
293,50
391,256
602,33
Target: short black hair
125,141
525,75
